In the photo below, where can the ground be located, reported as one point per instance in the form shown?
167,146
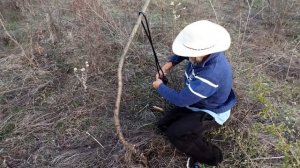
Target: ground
54,116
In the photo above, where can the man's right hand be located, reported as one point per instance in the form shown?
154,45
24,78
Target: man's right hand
165,70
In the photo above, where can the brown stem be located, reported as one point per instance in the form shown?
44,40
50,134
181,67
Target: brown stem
15,41
121,137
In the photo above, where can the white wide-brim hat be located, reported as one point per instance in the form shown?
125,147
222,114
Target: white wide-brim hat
201,38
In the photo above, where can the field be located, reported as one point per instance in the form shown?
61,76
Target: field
58,82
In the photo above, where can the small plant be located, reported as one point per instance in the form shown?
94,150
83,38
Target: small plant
176,7
82,75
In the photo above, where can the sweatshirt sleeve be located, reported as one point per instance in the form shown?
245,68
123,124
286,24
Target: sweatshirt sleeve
175,59
190,94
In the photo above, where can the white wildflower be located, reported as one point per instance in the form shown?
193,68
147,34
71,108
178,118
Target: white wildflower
172,3
87,64
176,17
75,69
82,69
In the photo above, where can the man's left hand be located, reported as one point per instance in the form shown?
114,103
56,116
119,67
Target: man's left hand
157,83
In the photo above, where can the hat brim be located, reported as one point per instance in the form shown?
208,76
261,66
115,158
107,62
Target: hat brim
222,43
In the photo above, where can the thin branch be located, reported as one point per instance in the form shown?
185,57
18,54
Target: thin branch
14,40
246,25
4,122
15,89
95,139
260,158
268,158
212,6
121,137
158,108
288,71
172,158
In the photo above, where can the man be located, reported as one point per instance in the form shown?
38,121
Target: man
206,100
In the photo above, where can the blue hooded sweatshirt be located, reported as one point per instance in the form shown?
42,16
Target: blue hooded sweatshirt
208,85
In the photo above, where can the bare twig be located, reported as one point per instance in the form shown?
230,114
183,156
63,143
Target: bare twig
4,122
212,6
16,89
172,158
95,139
109,23
143,108
15,41
158,108
268,158
246,25
260,158
121,137
49,22
288,71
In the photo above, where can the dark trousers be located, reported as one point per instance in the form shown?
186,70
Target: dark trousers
186,131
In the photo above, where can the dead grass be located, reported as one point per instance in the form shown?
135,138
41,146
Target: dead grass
45,112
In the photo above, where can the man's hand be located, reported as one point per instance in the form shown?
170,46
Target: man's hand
157,83
165,69
161,74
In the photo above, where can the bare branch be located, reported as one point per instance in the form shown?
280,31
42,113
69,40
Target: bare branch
95,139
212,6
121,137
246,25
269,158
288,71
15,41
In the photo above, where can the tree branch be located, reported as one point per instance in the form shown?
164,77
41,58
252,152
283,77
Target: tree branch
15,41
121,137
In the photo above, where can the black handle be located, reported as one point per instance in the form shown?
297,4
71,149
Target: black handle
148,34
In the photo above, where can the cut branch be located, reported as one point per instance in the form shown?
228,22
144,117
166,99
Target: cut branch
121,137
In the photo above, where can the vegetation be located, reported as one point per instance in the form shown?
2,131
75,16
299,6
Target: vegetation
58,82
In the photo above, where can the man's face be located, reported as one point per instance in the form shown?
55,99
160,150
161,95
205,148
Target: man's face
192,59
196,59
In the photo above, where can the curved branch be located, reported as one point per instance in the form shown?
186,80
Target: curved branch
120,84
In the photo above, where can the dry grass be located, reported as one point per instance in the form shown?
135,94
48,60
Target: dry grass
45,111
